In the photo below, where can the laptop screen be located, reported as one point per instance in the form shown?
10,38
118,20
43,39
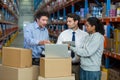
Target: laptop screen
56,50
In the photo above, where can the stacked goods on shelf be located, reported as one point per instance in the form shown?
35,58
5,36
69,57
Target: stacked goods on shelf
6,1
117,41
118,9
99,12
95,10
115,10
16,64
104,74
1,31
8,21
112,12
110,44
113,44
1,16
10,6
114,74
103,10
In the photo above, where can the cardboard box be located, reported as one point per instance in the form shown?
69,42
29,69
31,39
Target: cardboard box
58,78
55,67
35,72
117,35
116,47
104,75
110,44
12,73
16,57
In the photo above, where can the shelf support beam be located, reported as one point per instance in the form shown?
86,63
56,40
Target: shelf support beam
53,15
73,8
108,3
86,8
58,14
107,62
64,14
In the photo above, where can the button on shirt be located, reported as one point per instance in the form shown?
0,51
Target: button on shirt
33,34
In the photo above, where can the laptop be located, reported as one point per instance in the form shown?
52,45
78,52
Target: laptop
56,51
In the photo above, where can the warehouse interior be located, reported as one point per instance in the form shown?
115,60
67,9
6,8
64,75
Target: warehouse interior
15,15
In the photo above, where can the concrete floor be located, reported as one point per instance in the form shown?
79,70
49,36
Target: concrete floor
18,42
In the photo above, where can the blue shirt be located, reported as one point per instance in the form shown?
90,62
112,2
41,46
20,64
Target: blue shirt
33,34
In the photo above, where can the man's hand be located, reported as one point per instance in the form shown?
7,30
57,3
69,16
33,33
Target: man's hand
44,42
68,46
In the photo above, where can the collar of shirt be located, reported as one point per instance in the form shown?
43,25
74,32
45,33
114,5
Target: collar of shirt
37,26
76,31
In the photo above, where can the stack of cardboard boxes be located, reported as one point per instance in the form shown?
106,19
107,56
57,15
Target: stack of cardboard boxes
113,44
16,64
55,69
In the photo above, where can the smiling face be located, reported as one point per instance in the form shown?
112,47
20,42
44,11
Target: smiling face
42,21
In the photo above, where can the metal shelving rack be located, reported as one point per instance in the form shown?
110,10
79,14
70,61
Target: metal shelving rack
8,25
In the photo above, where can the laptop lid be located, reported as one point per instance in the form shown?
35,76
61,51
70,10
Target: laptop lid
56,50
72,43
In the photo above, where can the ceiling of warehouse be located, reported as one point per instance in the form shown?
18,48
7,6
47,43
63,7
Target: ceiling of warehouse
26,12
26,7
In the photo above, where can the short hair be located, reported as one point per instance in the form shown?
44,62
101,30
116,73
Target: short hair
75,17
39,14
99,27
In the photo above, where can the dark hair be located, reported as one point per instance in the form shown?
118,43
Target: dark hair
75,17
93,21
39,13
